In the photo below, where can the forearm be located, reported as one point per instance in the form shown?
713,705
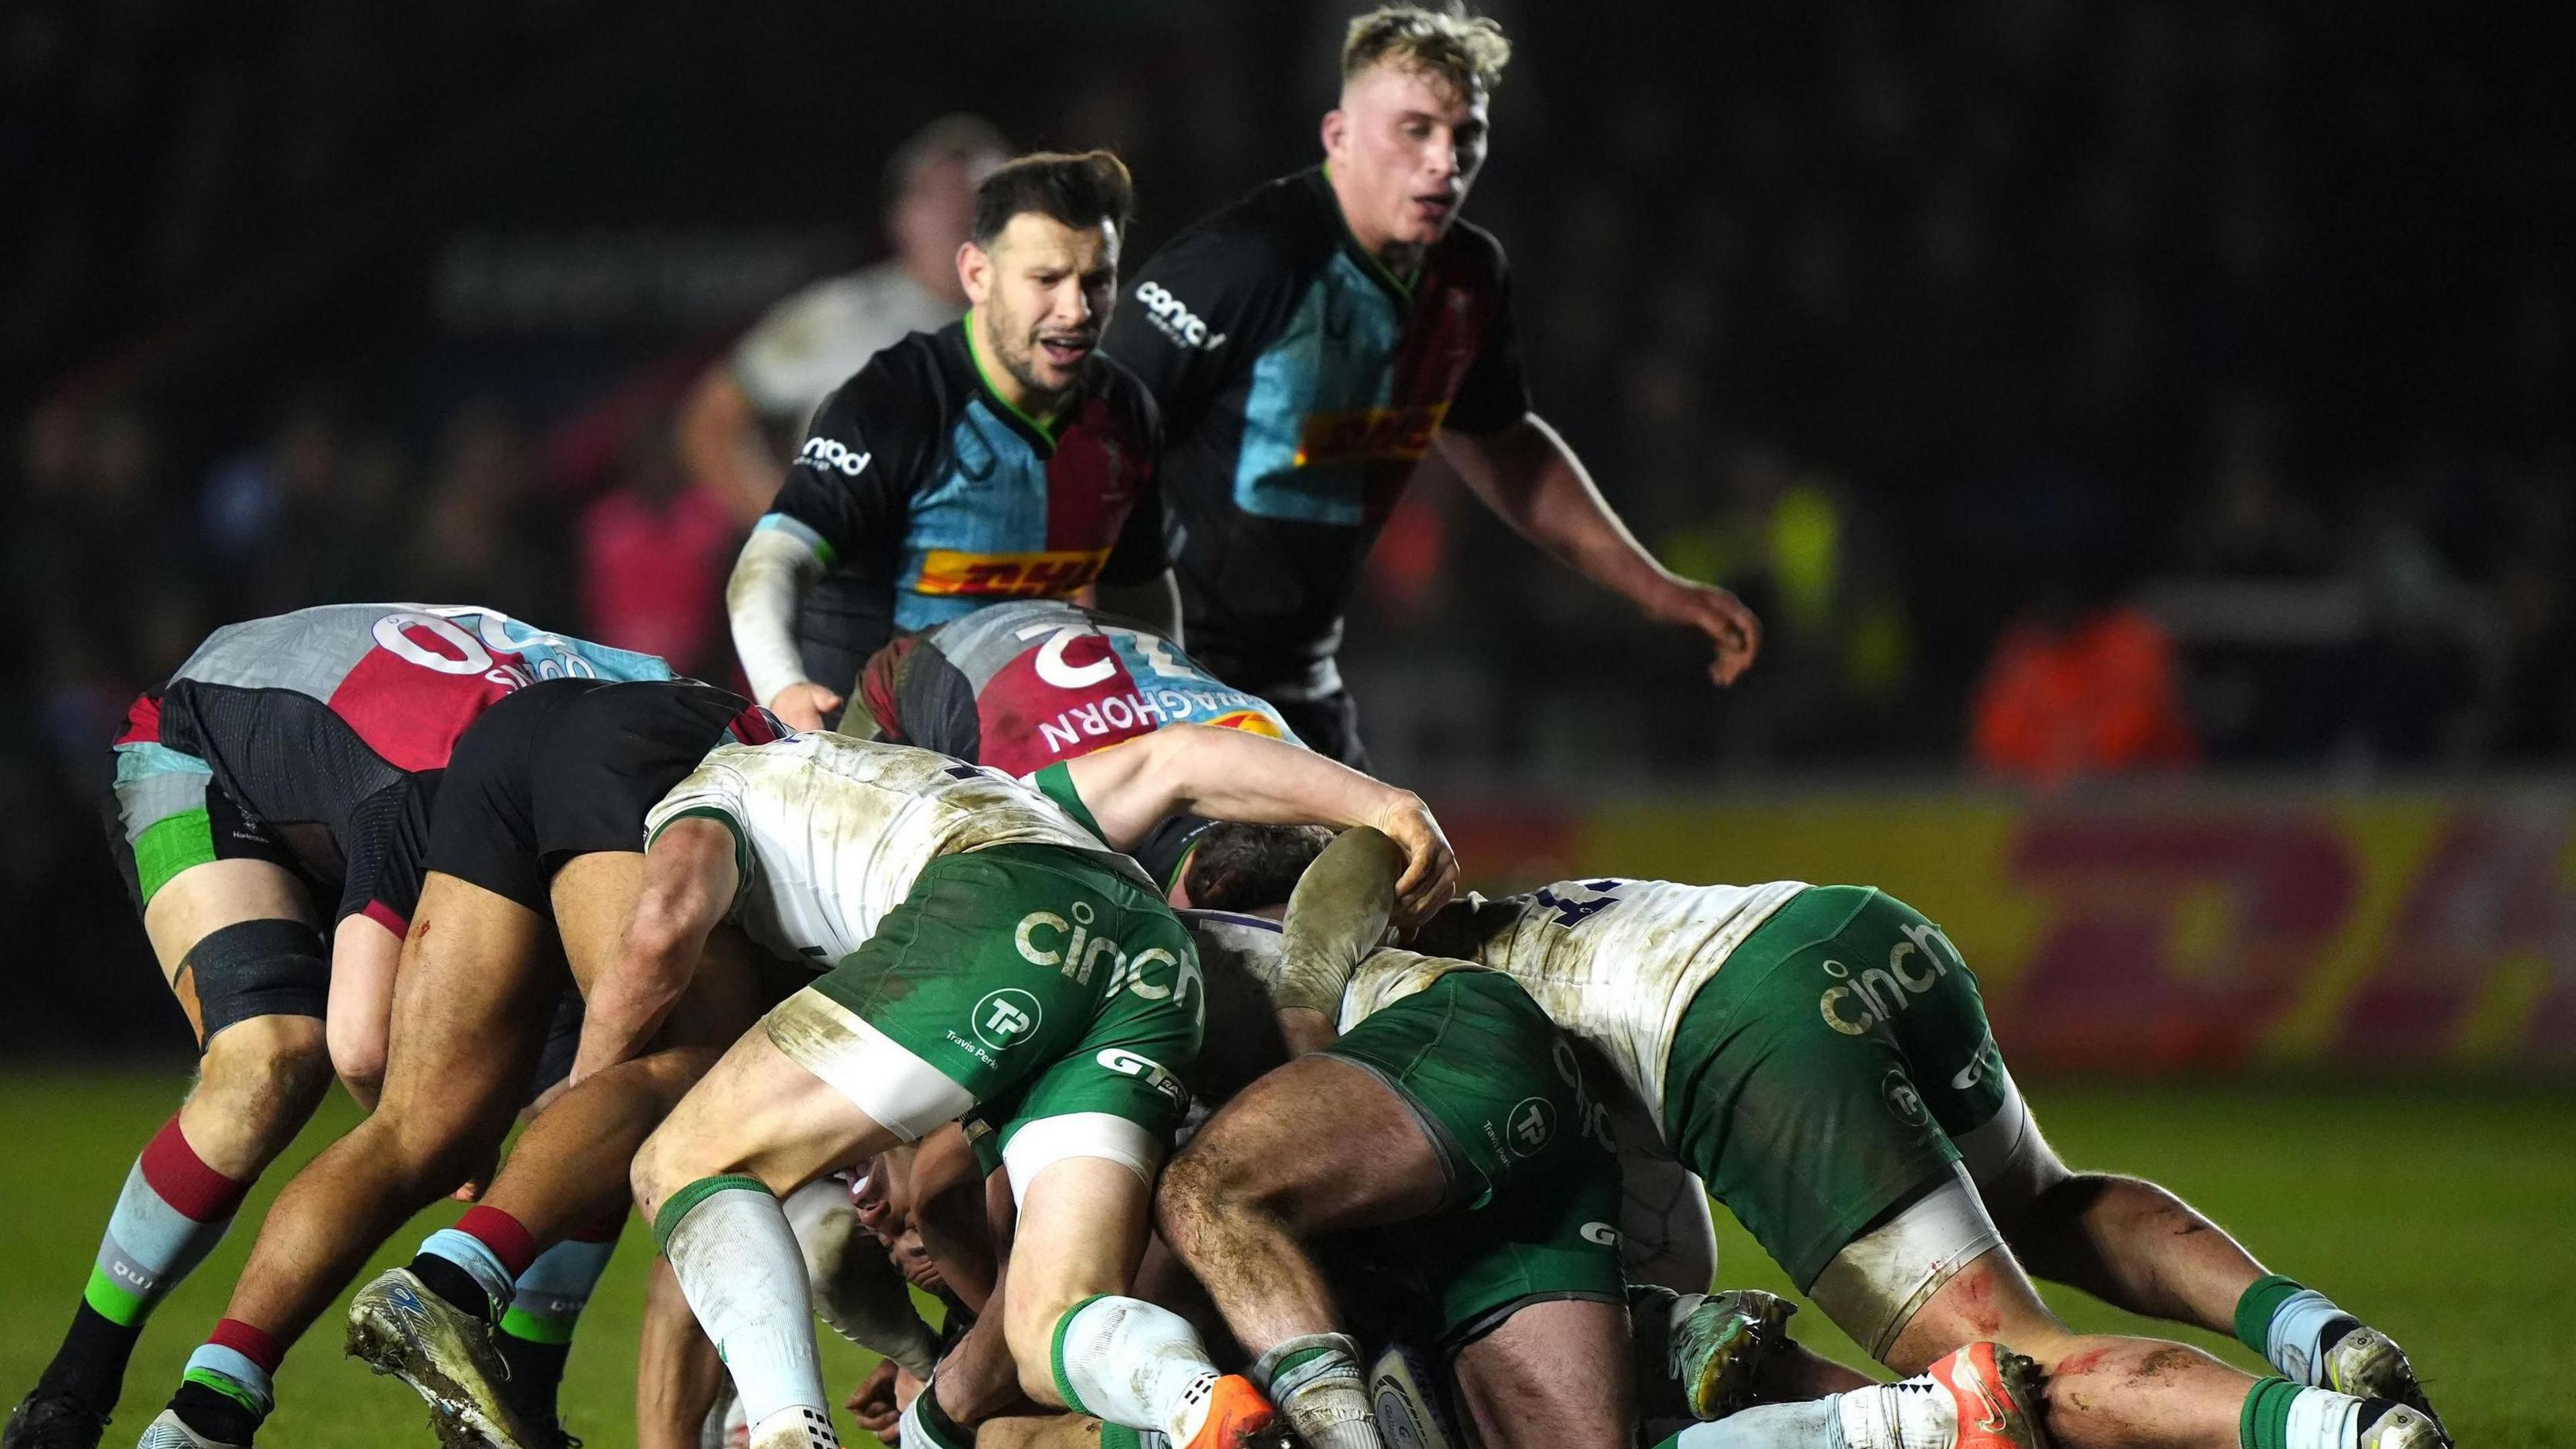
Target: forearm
1338,913
1229,775
1534,482
761,601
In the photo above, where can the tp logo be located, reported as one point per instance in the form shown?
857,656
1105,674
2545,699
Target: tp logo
1532,1122
1004,1016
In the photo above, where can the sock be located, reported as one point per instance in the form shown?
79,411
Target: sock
1315,1380
1814,1424
1911,1413
739,1267
2279,1414
926,1425
173,1211
474,1264
1128,1362
2291,1325
546,1302
227,1389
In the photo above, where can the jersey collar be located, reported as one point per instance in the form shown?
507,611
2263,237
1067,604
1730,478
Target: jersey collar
1041,431
1400,288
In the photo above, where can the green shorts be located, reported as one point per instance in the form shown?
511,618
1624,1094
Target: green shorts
1817,1080
1036,981
1533,1186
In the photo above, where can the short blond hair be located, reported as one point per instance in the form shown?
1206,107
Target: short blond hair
1467,51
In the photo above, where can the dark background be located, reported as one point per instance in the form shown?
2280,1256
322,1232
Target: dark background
1914,324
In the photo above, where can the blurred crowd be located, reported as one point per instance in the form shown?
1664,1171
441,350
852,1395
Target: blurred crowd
2072,388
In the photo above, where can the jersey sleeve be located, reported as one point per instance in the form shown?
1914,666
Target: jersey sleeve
714,791
1199,313
1495,392
851,485
1056,783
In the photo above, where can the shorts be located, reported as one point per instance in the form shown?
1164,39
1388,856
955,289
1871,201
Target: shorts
1033,981
1817,1081
1533,1183
569,767
1330,726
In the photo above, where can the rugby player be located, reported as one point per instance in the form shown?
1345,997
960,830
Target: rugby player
996,458
1315,342
532,864
829,848
275,788
1821,1057
747,414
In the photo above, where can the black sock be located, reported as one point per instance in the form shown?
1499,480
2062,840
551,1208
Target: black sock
2333,1333
536,1373
2371,1410
213,1413
454,1284
943,1429
90,1366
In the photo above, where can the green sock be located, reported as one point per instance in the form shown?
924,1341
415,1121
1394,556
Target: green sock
2264,1422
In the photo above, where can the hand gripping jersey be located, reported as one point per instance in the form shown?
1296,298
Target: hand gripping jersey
830,832
1613,962
1300,383
306,722
1021,686
926,497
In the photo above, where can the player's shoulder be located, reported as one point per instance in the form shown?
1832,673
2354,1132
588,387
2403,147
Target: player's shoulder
898,383
1125,395
1277,226
1471,252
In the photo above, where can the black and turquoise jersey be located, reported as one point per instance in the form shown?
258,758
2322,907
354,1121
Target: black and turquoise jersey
1300,382
927,496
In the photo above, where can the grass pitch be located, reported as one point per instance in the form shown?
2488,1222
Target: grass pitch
2445,1218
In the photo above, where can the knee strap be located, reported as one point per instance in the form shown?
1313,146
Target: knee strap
258,968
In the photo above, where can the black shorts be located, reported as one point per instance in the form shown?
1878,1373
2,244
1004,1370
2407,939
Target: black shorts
1330,726
568,767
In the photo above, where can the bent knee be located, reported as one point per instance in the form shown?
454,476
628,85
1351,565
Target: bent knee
1199,1184
266,1068
358,1057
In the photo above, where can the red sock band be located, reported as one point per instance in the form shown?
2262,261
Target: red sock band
503,1234
179,1177
603,1229
256,1344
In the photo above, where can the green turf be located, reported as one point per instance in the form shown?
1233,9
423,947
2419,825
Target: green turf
2444,1218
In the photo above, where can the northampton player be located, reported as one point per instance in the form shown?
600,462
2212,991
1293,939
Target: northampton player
997,458
1315,342
273,793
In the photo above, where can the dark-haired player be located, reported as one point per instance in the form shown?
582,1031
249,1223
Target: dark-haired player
997,458
270,803
1316,341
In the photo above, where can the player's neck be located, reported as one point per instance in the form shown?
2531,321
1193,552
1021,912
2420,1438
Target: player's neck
1037,409
1399,260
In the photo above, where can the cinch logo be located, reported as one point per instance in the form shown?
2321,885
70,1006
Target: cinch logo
1174,319
831,453
1046,574
1047,939
1369,435
1005,1016
1880,993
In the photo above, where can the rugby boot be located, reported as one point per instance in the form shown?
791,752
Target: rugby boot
1719,1351
2403,1428
53,1421
1996,1395
2368,1364
172,1432
1239,1416
398,1326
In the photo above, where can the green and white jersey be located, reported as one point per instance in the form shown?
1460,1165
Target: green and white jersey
830,832
1613,962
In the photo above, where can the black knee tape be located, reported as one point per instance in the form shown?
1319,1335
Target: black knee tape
259,968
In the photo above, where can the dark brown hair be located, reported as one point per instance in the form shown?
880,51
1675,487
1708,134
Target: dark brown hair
1248,868
1080,191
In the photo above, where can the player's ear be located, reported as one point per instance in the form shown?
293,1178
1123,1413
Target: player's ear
974,272
1336,130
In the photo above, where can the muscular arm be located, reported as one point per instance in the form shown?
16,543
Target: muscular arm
1337,915
1532,480
689,883
775,569
723,447
1230,775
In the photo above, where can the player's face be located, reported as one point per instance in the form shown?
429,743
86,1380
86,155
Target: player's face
1404,148
1044,291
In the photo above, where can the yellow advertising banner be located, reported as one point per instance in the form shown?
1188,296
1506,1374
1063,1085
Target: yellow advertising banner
2161,930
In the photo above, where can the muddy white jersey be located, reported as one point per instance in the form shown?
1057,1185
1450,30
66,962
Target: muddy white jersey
1613,962
830,832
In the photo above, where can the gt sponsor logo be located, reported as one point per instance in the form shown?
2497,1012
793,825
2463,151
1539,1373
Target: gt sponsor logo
1174,319
1369,435
1045,938
1043,574
1154,1073
1874,995
832,453
1602,1233
1005,1016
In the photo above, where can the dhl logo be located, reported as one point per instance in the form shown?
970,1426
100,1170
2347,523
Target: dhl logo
1045,574
1369,435
1250,721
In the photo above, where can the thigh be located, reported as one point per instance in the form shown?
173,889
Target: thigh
592,896
758,1113
365,957
1547,1237
1553,1376
208,897
1376,1165
472,998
